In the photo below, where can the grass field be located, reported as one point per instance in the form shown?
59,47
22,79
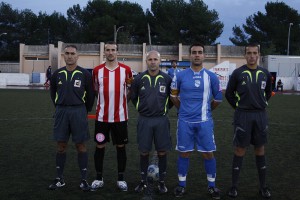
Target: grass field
27,154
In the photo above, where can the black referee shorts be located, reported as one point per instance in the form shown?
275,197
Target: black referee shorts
71,120
250,128
153,130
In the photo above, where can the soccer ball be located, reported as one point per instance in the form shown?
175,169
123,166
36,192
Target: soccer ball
153,172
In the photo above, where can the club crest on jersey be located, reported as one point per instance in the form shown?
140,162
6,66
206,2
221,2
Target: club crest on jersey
197,83
100,137
162,89
77,83
263,85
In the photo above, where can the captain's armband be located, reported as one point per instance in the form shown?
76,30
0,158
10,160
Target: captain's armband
174,93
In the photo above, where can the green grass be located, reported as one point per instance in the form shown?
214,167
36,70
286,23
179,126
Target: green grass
27,154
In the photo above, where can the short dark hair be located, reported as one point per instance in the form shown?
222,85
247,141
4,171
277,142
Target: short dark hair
252,45
111,42
196,44
71,45
173,61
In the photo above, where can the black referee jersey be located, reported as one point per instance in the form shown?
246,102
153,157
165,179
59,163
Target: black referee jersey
72,88
249,89
151,94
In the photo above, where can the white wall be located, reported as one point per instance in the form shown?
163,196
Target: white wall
14,79
288,82
284,66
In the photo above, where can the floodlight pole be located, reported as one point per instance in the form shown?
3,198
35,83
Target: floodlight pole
116,32
48,35
288,47
149,35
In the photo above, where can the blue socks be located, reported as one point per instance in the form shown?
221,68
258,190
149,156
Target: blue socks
182,167
210,168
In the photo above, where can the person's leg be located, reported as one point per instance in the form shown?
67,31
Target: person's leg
61,158
163,143
242,138
261,169
144,140
60,164
101,137
122,159
144,163
185,145
206,145
210,167
261,165
98,161
82,157
261,132
162,164
119,135
61,134
237,163
182,167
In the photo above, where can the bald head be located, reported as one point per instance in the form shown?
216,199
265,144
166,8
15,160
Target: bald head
153,62
156,53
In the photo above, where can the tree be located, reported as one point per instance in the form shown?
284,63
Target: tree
100,16
132,17
270,29
9,23
171,22
176,21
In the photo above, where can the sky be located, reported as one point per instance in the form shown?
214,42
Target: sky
231,12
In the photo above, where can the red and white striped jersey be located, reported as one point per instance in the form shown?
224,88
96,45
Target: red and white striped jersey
111,86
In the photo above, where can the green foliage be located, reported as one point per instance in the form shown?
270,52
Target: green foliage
9,43
270,29
176,21
171,22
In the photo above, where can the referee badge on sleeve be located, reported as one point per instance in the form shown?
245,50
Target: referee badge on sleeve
162,89
263,85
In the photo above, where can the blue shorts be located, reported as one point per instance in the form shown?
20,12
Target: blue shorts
71,120
200,134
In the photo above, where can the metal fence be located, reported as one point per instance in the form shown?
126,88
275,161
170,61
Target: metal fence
9,67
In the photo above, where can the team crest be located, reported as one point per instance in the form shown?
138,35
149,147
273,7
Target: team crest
162,89
77,83
197,83
100,137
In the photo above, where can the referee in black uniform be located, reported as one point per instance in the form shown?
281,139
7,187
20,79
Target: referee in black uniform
248,91
150,94
73,97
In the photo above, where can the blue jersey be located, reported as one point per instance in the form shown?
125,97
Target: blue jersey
196,91
172,72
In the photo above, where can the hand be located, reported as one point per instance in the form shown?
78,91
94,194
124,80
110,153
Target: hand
129,81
